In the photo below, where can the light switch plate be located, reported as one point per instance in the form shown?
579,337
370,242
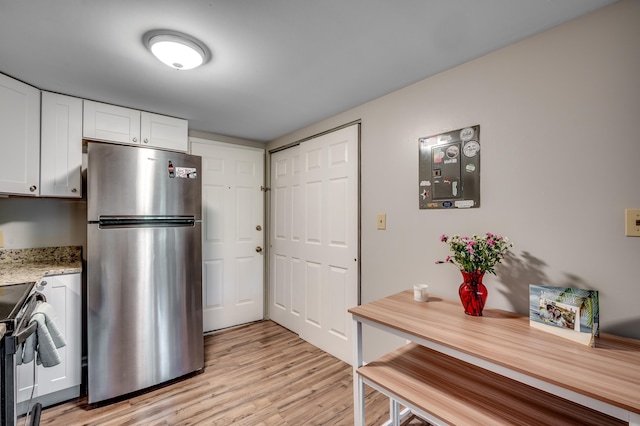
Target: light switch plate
382,221
632,222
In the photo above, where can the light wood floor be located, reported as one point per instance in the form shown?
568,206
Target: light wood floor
257,374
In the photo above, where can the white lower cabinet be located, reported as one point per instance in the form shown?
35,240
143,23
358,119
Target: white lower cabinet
61,382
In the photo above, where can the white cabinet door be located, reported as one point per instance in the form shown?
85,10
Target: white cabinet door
63,293
111,123
19,137
160,131
61,146
104,122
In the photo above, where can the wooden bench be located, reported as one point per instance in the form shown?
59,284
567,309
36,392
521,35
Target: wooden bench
456,392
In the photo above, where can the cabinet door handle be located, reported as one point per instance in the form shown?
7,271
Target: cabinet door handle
74,190
135,139
146,140
32,188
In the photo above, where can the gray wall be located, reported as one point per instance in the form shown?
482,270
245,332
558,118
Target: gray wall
37,222
559,115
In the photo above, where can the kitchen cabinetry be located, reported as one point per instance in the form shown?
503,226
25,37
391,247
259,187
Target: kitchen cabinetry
111,123
104,122
61,146
19,137
161,131
493,369
61,382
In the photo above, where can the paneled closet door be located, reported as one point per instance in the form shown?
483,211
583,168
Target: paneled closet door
314,239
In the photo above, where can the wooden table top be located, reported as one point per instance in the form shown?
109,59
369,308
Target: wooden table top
609,372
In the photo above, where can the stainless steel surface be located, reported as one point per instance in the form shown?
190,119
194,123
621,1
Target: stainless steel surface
134,181
144,272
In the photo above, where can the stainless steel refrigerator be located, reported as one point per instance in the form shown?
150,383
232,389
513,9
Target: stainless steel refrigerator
144,268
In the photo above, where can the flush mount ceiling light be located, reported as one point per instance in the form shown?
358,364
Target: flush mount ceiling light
177,50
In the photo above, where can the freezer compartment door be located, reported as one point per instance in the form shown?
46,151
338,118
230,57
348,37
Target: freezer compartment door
144,307
134,181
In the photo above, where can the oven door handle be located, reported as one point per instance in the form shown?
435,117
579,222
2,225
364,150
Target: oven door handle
30,308
23,335
12,342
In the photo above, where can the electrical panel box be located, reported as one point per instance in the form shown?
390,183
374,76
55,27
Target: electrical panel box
449,169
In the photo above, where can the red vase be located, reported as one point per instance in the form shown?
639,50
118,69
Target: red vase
472,293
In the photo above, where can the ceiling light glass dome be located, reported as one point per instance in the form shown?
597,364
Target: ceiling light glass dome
176,50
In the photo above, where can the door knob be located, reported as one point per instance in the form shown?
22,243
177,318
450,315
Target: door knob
258,228
259,249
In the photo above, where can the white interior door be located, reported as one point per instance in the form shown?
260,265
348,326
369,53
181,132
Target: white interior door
314,239
232,233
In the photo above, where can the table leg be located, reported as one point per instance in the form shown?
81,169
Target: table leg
358,383
394,411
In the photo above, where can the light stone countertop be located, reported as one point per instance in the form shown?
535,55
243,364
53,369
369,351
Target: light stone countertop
31,265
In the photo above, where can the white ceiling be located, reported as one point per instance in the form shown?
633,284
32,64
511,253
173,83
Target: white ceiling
277,66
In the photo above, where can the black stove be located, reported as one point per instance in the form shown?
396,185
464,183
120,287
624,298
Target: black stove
17,303
12,299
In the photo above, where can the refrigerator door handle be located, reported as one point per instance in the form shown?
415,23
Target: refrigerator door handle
145,222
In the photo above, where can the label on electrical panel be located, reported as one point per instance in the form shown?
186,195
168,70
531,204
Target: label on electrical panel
464,204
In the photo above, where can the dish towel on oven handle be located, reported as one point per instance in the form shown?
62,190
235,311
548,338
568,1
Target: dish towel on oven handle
45,341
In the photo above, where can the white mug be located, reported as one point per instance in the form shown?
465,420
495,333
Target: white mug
421,293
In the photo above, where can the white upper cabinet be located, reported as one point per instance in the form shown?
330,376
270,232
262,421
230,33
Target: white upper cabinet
19,137
61,146
111,123
104,122
164,132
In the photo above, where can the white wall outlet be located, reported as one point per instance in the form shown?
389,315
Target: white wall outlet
632,222
382,221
